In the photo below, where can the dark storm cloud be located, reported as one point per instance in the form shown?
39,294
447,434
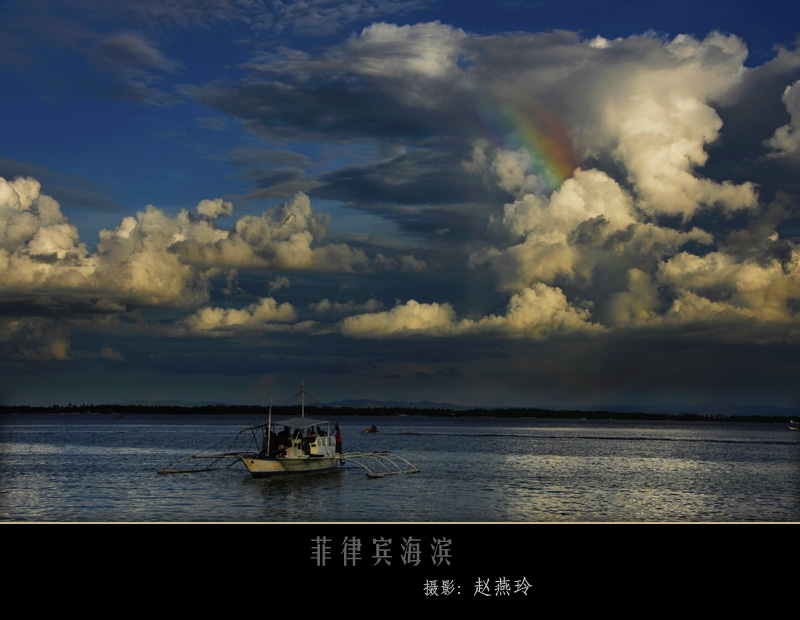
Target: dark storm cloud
274,173
280,183
334,111
750,115
419,177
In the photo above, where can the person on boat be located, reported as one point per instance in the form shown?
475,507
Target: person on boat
283,440
311,437
320,432
283,436
338,434
269,442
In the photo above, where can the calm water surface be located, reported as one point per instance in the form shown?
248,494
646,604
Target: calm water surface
104,468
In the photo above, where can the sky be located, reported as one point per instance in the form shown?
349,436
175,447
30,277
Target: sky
565,205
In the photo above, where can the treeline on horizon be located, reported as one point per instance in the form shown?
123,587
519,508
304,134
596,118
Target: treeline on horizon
331,410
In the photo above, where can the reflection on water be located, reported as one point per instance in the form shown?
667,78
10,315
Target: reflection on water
98,468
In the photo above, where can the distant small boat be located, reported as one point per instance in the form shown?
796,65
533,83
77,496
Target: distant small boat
371,429
794,425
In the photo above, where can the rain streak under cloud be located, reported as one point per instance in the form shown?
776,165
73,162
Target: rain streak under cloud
408,210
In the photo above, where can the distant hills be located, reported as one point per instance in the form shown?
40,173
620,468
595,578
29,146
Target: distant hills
366,403
733,410
388,407
356,403
425,405
372,407
176,403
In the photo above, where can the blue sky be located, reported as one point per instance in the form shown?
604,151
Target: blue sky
565,205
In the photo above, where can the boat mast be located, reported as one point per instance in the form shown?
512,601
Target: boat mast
302,399
269,426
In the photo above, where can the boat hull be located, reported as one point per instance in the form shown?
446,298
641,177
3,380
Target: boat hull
275,466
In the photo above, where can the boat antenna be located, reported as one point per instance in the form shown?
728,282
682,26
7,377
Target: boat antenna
302,399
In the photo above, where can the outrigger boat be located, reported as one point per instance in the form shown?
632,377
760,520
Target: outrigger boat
304,445
308,449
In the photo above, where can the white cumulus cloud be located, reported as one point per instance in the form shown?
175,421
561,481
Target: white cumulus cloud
786,140
258,315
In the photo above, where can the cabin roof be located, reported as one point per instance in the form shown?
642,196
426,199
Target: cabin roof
299,422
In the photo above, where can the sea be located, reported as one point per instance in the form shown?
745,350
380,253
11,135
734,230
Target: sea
104,468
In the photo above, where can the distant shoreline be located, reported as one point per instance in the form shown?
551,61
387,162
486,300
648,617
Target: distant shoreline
389,411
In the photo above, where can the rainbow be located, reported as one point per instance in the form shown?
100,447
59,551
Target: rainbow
535,130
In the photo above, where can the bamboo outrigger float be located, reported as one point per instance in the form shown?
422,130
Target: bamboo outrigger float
390,464
312,447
